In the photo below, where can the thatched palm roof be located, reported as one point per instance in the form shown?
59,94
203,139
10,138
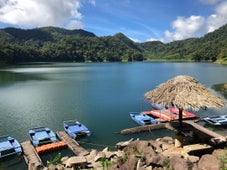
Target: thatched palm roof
186,92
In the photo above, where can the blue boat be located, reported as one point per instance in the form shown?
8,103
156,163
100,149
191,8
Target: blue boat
9,146
142,119
42,135
75,129
157,106
216,120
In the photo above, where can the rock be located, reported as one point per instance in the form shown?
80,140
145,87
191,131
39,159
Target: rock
166,146
209,162
193,159
92,155
75,161
63,159
177,143
121,145
108,154
130,163
178,163
99,156
144,147
156,146
155,159
175,152
168,140
220,153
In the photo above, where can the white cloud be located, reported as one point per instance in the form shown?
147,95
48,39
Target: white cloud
135,40
218,19
185,28
195,26
155,39
209,1
35,13
74,24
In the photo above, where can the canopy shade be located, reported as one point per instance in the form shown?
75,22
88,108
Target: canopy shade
186,92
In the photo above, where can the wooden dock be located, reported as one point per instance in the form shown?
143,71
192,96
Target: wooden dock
31,157
72,144
203,129
174,126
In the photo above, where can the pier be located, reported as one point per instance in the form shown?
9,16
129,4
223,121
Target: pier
72,144
188,125
31,157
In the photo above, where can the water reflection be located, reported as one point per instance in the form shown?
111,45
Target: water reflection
8,77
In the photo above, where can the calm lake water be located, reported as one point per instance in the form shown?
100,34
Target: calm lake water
98,94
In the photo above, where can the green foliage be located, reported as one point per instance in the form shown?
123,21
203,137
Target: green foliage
105,163
55,161
224,161
57,44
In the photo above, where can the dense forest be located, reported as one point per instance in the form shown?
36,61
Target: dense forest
49,44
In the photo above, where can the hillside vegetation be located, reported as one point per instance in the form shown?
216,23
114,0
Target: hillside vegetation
61,45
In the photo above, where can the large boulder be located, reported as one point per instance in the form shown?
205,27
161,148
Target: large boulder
178,163
209,162
75,161
130,163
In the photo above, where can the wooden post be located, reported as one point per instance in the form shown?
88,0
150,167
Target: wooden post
180,117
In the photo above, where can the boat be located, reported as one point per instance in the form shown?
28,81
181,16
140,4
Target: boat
216,120
142,119
185,114
42,135
161,115
75,129
157,106
9,146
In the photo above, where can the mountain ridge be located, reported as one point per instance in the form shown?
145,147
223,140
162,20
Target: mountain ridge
59,44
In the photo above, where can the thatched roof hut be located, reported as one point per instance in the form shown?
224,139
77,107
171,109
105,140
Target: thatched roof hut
186,92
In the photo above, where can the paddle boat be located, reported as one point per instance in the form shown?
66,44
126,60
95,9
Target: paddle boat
185,114
75,129
9,146
42,135
216,120
157,106
142,119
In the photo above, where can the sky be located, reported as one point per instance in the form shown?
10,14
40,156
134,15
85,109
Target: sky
139,20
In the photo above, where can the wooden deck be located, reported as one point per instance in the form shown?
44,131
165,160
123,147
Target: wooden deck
72,144
203,129
170,125
31,157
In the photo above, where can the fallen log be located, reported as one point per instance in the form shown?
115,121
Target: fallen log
146,128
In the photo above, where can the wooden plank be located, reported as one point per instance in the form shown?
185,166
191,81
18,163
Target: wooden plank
196,147
31,157
203,129
72,144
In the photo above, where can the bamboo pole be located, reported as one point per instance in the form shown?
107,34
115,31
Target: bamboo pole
145,128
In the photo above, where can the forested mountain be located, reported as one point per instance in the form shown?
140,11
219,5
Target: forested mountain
57,44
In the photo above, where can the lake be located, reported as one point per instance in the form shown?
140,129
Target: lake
100,95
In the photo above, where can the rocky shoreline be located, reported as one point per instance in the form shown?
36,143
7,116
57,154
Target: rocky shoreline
160,154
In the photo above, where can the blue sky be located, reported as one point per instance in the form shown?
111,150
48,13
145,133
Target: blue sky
140,20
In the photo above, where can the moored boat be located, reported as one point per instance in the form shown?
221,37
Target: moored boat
161,115
9,146
185,114
157,106
142,119
42,135
75,128
216,120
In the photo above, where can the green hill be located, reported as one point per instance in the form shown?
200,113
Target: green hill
58,44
